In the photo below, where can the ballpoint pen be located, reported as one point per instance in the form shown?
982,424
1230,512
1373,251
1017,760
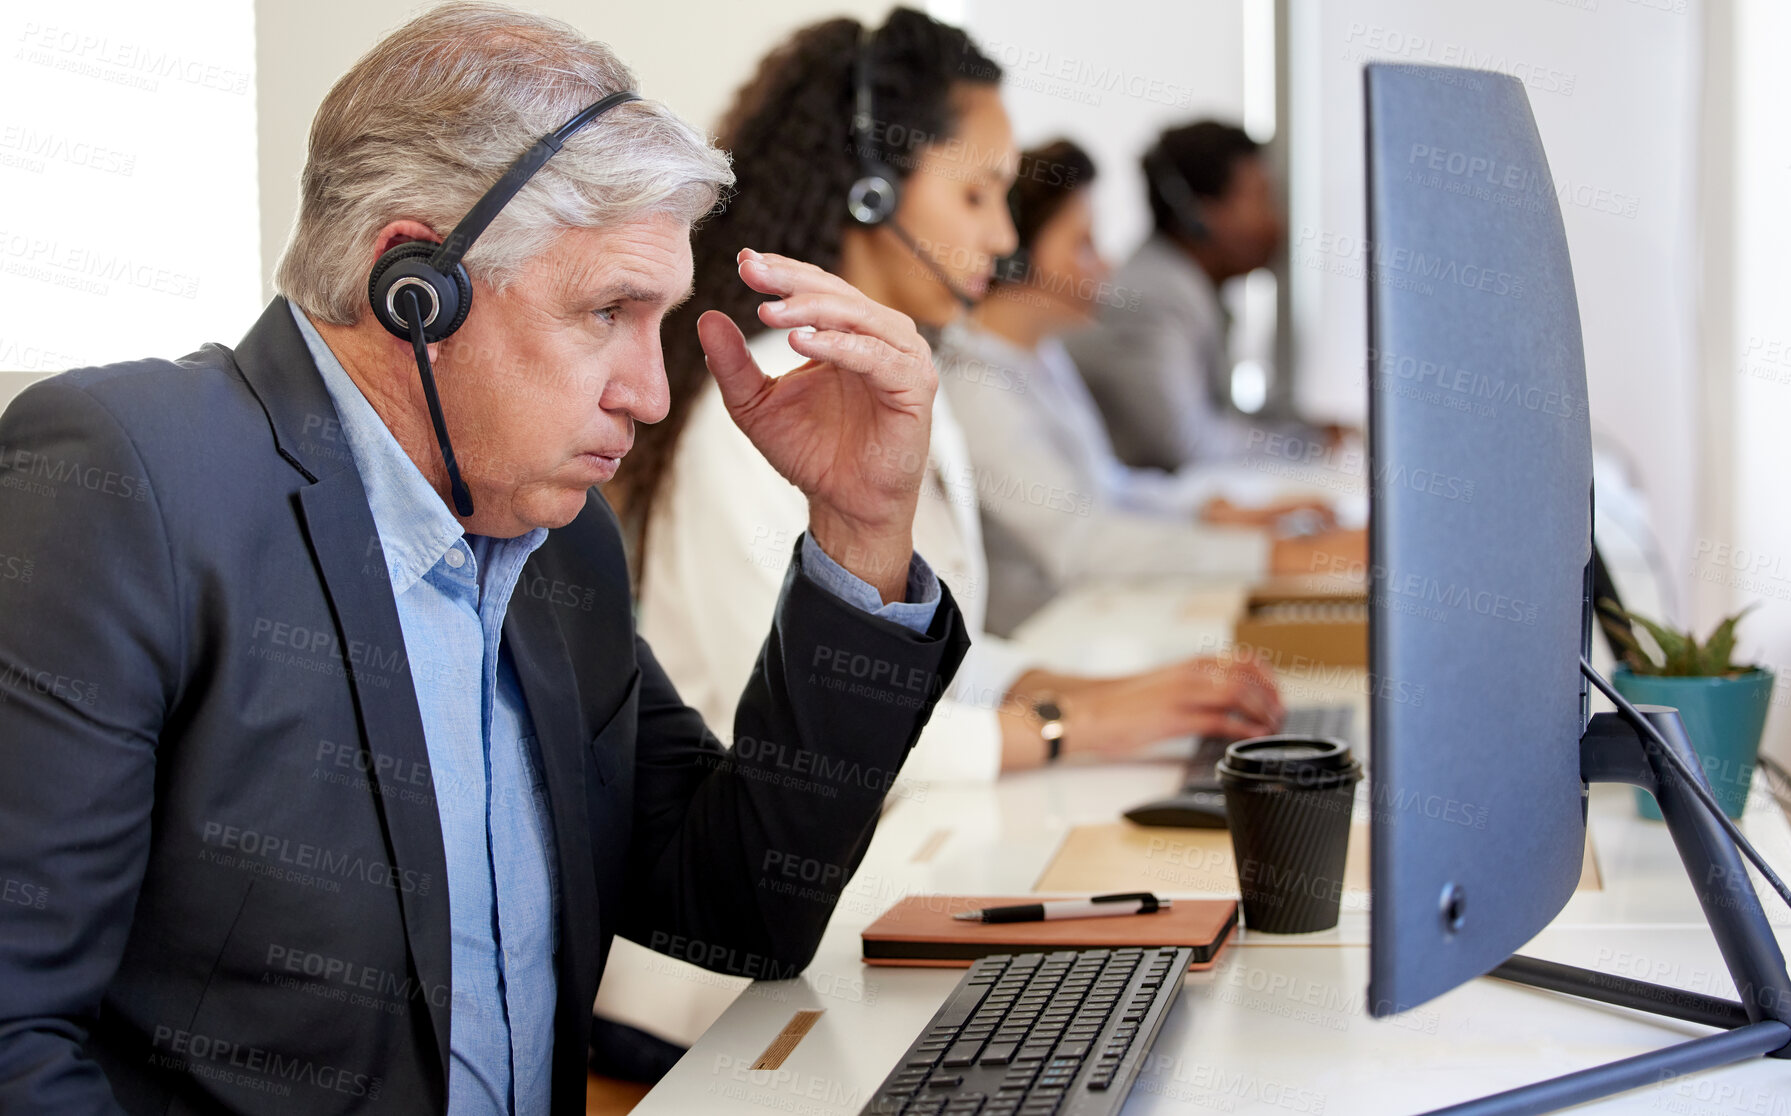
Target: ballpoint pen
1099,906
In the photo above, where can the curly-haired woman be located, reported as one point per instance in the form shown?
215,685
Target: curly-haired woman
715,527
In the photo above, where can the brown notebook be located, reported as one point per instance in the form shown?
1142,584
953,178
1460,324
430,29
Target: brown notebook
920,930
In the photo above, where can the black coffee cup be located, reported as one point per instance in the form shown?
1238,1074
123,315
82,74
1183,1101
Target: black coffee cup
1287,804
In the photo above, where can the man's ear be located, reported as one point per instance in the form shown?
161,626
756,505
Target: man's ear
403,231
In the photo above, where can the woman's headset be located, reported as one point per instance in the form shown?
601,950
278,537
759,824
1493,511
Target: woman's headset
1016,266
873,198
421,292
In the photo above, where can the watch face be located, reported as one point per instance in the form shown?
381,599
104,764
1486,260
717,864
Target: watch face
1048,711
1052,731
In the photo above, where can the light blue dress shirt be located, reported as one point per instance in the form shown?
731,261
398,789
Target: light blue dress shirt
452,591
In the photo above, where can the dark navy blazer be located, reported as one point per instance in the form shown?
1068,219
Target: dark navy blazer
222,885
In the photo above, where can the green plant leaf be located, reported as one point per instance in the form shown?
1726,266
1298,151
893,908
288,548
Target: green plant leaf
1721,645
1681,653
1628,648
1679,650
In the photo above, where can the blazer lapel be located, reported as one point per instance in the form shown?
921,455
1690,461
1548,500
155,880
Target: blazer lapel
345,545
544,669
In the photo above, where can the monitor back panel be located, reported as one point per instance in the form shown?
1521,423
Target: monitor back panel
1480,531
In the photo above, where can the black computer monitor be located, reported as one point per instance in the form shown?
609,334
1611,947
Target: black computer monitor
1480,532
1480,621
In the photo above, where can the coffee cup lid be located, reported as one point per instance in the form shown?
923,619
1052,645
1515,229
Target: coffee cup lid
1302,760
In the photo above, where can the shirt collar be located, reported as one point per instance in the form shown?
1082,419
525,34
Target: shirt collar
415,526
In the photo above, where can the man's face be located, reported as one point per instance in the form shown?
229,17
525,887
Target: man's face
543,384
1245,221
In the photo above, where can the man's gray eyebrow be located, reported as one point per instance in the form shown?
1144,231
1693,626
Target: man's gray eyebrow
627,290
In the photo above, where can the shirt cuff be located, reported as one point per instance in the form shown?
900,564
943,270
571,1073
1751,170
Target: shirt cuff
915,613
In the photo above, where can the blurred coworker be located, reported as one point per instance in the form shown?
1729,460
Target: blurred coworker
1157,363
716,525
1027,414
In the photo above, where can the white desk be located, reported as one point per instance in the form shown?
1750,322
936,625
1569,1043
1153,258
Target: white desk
1275,1027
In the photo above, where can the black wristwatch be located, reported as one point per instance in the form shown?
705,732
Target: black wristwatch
1050,725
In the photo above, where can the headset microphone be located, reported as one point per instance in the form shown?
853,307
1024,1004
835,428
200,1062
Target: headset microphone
420,292
938,272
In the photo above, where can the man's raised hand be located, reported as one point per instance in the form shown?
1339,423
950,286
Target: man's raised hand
850,427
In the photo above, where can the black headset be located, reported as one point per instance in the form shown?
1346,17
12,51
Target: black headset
874,196
1016,266
420,291
1172,187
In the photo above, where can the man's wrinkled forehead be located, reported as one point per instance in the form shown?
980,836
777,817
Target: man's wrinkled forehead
646,262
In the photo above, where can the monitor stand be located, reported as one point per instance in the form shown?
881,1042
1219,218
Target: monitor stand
1613,751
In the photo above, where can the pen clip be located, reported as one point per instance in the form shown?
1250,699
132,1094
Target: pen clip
1150,903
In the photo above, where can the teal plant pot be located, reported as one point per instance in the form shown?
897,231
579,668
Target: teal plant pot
1723,717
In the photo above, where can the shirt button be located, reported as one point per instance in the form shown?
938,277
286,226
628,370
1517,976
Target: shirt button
455,557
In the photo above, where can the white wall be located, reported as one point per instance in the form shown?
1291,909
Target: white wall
1110,76
692,55
1615,88
1754,563
127,167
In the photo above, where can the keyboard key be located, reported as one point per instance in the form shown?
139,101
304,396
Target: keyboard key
1036,1022
962,1004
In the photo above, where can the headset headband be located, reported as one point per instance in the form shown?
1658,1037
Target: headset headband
486,209
862,106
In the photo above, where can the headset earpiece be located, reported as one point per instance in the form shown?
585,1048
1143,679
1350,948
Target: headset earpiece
1172,187
446,299
1014,267
873,198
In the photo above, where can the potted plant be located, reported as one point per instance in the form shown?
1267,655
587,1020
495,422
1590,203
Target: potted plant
1722,704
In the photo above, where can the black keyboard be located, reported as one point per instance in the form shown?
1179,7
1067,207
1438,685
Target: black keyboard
1035,1034
1202,772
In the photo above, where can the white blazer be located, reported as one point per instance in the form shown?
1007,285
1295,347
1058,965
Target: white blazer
721,538
717,550
1058,506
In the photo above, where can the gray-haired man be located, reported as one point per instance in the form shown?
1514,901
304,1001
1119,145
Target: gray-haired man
327,798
